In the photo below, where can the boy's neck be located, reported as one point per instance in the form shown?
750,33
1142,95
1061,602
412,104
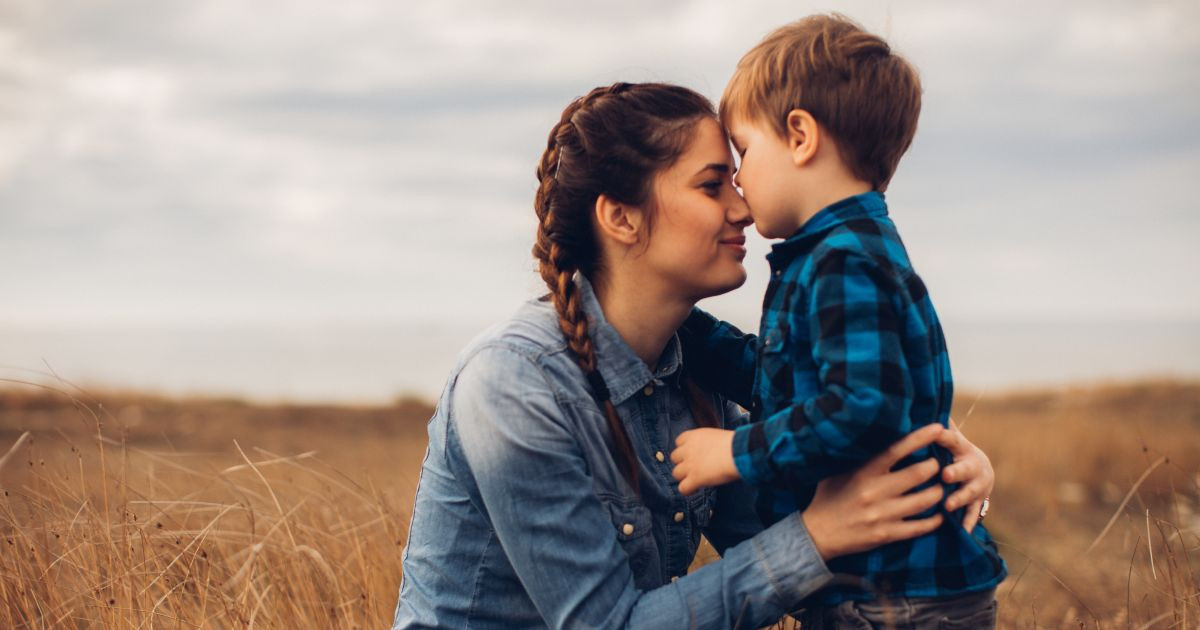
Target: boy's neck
829,194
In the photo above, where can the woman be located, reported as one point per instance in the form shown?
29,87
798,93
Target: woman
546,496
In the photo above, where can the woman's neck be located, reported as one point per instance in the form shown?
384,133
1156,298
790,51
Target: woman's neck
643,314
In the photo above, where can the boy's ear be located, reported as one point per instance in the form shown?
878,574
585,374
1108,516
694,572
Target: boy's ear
803,136
618,221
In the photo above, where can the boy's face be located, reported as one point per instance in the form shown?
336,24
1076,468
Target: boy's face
764,173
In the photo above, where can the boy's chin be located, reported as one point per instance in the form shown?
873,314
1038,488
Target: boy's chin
768,232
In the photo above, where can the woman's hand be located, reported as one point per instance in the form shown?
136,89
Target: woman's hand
972,469
865,508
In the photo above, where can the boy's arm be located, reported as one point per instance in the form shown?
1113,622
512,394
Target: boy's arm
865,389
719,356
735,517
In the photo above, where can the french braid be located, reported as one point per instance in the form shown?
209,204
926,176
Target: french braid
611,141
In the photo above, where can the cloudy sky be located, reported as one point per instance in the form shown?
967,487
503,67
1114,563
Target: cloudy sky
223,163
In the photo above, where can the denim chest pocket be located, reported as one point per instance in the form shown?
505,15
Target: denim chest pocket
632,523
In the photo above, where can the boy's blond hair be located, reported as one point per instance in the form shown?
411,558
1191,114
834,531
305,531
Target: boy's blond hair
861,93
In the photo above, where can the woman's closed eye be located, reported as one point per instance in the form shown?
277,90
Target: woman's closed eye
713,187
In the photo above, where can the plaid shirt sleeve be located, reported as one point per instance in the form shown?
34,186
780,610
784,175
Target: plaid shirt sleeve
719,356
864,392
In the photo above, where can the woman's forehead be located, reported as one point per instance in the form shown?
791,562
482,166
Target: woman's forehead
708,144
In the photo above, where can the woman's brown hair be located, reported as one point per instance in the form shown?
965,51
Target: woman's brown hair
611,141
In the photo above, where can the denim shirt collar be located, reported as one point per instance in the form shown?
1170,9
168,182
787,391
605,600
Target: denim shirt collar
623,370
862,206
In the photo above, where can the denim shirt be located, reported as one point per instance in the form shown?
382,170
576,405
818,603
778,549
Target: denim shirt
523,520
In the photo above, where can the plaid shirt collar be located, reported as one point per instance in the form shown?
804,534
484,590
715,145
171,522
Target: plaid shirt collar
866,205
623,370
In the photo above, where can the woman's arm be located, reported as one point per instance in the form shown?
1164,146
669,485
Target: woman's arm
867,507
510,439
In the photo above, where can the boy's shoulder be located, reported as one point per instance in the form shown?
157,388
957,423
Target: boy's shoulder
873,241
870,236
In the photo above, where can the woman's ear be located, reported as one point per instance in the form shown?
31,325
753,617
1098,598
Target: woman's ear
617,221
803,136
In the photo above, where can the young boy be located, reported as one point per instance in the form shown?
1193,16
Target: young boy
850,355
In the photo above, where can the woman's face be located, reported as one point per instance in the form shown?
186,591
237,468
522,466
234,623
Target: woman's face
697,243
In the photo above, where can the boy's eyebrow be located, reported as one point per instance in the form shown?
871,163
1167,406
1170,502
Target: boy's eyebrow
722,168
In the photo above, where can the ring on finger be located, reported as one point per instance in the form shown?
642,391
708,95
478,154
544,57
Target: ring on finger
983,509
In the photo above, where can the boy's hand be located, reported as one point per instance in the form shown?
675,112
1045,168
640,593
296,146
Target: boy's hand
703,458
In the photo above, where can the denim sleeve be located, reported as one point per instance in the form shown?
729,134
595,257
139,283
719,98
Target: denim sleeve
865,391
718,356
534,485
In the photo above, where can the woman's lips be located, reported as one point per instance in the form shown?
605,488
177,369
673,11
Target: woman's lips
736,242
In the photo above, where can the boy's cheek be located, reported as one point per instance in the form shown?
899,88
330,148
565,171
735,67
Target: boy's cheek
767,229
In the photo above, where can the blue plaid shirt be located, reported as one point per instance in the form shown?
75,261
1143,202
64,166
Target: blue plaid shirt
850,358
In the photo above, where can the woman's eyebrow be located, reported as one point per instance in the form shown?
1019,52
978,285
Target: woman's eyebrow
716,166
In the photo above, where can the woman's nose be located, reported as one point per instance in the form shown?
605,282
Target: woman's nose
739,212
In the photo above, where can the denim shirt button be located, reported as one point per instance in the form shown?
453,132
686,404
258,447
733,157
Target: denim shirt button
674,578
679,517
627,529
660,456
649,390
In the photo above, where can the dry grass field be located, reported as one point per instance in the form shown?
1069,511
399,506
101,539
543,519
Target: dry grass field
131,511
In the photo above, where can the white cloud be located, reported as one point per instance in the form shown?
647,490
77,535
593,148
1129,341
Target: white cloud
217,161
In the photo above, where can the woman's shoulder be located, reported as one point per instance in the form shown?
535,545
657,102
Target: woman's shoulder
531,332
525,351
